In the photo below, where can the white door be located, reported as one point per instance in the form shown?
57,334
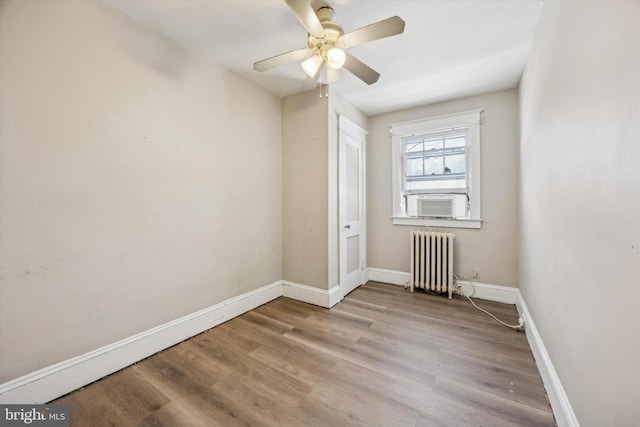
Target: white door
351,204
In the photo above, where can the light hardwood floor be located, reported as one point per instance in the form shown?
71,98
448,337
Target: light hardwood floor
382,357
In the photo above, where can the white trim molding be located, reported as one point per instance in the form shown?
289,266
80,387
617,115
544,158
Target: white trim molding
393,277
562,410
486,291
310,294
61,378
489,292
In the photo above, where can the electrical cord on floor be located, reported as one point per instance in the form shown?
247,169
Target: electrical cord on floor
519,327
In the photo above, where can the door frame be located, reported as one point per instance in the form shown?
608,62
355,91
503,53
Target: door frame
347,126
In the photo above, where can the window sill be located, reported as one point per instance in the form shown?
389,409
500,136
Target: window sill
424,222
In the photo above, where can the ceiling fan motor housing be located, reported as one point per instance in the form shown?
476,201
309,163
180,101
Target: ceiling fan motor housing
332,32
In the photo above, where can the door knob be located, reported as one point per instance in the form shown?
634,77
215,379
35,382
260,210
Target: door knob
348,226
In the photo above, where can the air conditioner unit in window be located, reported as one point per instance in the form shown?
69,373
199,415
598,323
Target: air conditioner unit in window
441,207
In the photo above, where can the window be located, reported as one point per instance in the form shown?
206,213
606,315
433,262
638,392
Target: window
437,159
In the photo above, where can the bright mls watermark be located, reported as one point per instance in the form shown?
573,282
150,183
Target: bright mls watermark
34,415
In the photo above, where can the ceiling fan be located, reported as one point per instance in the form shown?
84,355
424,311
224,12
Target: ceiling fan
326,44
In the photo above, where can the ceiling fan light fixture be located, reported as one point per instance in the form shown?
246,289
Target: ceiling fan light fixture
311,65
335,58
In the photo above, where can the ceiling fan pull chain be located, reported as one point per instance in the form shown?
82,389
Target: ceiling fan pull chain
326,90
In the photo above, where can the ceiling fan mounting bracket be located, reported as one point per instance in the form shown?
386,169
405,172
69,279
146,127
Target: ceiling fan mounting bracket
332,32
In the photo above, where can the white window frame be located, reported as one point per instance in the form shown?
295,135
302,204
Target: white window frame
469,120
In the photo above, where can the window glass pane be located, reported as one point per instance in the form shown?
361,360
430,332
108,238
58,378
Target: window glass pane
455,141
455,163
433,143
414,166
412,146
433,165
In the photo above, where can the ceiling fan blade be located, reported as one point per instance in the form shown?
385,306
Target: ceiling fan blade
379,30
311,82
307,17
283,59
360,69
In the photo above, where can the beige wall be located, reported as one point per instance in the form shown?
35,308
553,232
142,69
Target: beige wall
493,248
305,189
137,184
310,186
580,202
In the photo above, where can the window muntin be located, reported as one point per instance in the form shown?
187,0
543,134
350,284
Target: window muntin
435,162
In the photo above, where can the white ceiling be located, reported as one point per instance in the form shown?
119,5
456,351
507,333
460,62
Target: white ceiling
449,48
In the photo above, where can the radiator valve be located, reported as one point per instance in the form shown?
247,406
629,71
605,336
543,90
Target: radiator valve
457,291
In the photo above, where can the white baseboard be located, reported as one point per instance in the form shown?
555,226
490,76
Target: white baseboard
393,277
489,292
310,294
562,410
486,291
61,378
335,296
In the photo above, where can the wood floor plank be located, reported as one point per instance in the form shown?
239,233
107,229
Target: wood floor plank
123,398
500,380
383,356
495,410
265,322
189,396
